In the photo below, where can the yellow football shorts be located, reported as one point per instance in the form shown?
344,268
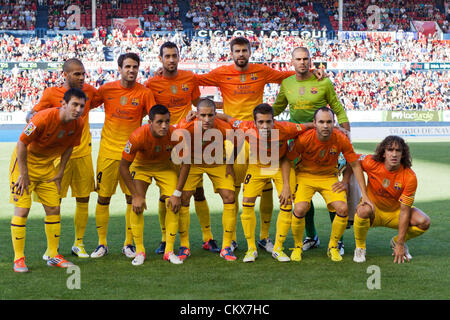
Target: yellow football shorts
384,218
215,172
164,174
39,174
108,177
308,185
258,177
79,176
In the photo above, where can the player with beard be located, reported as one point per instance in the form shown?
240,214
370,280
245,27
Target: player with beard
242,87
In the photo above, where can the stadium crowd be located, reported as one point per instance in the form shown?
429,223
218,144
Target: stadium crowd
358,90
231,15
17,15
394,15
253,15
265,48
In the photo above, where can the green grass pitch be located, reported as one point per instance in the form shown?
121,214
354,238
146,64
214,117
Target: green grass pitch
205,276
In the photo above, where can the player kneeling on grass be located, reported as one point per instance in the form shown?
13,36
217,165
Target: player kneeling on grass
52,133
317,172
391,188
267,138
147,156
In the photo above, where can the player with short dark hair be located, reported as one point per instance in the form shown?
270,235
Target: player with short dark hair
146,157
50,134
79,171
179,91
262,143
126,102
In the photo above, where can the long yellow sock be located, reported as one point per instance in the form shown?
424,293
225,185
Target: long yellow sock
337,230
172,225
137,229
128,233
228,223
80,221
53,233
411,233
265,212
18,231
361,227
237,190
248,221
283,225
162,218
202,210
101,220
298,228
183,226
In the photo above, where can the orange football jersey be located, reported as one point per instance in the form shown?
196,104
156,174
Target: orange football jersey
321,158
388,189
143,148
124,110
286,131
242,91
52,97
175,93
47,137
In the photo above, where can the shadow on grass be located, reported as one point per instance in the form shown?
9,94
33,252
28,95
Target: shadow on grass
206,276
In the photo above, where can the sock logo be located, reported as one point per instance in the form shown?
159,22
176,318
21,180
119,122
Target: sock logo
20,238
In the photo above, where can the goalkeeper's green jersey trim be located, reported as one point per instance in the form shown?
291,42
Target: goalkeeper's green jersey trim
305,97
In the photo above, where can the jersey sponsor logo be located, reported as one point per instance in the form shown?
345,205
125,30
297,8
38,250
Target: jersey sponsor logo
398,186
127,148
301,91
29,128
185,87
314,90
386,183
123,100
135,102
174,89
